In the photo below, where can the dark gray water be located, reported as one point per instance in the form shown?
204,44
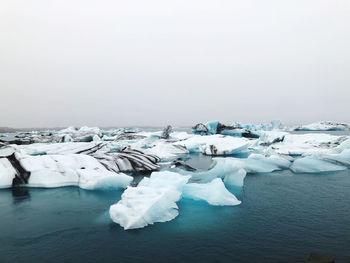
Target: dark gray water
283,217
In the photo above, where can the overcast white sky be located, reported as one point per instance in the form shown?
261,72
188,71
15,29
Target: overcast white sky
158,62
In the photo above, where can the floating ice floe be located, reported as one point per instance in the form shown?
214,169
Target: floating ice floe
141,206
166,151
272,126
58,148
70,170
342,158
306,144
234,170
95,180
266,138
310,164
214,192
324,126
85,171
84,134
154,199
215,145
215,127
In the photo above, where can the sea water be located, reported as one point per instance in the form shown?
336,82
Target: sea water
283,217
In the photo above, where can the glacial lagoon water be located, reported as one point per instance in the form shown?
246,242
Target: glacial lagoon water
283,217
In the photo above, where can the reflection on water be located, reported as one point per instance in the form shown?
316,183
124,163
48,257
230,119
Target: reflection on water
20,194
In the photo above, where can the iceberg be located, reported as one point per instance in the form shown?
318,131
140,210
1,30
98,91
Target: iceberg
324,126
215,145
342,158
212,127
258,163
215,127
84,134
236,177
310,164
166,132
70,170
153,200
233,170
166,179
95,180
7,173
166,151
273,125
58,148
141,206
214,193
266,138
306,144
128,160
222,168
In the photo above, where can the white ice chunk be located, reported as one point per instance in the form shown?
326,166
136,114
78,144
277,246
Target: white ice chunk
95,180
324,126
235,178
216,144
142,205
68,170
53,178
258,163
342,146
166,151
222,167
214,193
70,129
180,135
342,158
229,167
96,138
273,125
54,148
165,179
153,200
305,144
270,137
7,173
7,151
310,164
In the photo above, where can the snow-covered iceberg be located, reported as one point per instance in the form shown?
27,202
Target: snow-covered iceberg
215,145
306,144
324,126
70,170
